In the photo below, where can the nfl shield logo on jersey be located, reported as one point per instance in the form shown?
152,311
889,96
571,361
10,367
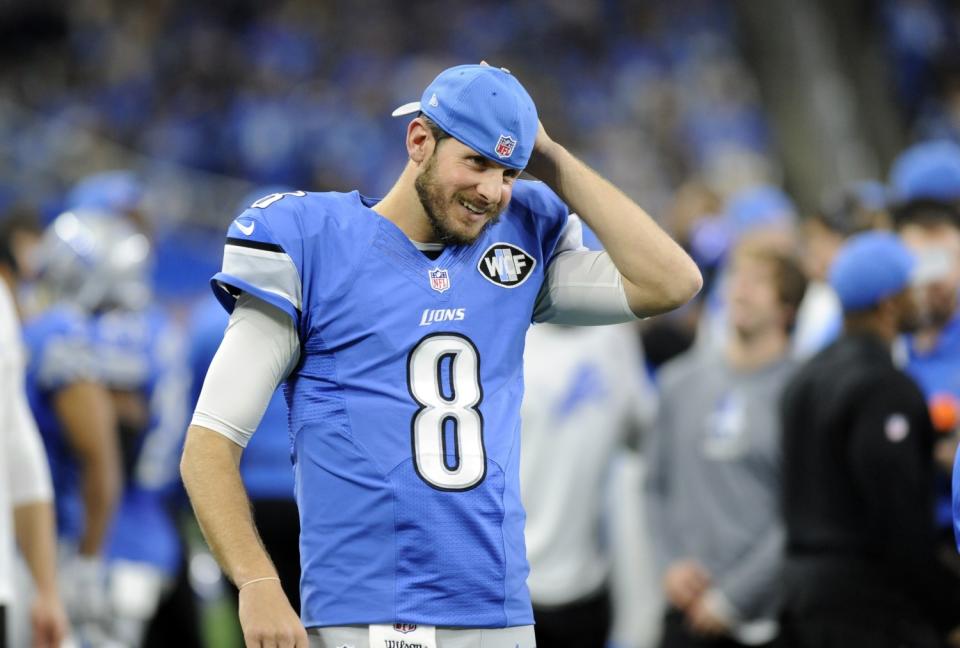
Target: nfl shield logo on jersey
439,279
505,146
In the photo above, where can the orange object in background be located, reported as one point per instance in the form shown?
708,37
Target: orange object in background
944,412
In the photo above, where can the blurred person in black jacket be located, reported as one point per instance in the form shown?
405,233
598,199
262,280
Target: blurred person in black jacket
861,566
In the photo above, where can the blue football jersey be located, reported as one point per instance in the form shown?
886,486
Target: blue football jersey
59,344
266,467
404,407
142,352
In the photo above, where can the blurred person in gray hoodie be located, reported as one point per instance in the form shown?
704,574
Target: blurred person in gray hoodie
713,484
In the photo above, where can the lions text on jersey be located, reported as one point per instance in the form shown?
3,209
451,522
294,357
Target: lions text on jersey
404,407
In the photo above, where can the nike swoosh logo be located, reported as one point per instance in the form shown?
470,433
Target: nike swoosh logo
246,229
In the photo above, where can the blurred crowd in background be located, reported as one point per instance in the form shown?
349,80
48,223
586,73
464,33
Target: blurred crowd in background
732,123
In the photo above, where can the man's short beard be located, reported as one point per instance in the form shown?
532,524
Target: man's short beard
431,198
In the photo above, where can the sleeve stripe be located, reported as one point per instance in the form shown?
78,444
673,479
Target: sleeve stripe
256,245
270,271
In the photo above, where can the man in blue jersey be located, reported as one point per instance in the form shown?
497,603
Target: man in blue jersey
398,327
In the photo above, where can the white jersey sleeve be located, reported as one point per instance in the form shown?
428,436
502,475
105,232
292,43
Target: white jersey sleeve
259,349
27,468
25,463
582,287
24,473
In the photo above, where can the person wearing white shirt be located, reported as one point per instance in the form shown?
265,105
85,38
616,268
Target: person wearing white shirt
26,494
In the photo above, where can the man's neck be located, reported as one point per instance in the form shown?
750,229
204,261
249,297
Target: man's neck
401,206
871,323
751,352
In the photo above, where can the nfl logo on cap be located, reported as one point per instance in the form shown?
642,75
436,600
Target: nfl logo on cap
505,146
439,279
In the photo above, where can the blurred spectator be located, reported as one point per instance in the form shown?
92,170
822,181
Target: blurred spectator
759,213
75,414
671,334
190,94
26,493
140,359
714,477
853,208
585,395
858,473
927,171
927,179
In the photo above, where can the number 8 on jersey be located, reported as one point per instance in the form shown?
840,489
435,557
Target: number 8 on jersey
433,357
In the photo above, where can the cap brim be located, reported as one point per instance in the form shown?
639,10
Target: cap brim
406,109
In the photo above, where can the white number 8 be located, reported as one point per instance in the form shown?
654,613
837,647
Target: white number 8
425,381
268,200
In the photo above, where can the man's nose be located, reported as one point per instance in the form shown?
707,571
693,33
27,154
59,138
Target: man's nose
490,187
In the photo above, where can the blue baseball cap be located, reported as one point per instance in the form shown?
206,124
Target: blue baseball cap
483,107
927,171
869,268
759,207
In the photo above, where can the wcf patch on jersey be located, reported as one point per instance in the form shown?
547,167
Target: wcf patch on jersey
506,265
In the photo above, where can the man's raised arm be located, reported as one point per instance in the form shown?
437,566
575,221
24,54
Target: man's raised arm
658,275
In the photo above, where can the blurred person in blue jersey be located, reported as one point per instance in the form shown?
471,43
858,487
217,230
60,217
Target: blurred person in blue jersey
862,566
74,413
266,467
148,377
855,207
714,475
141,360
397,327
577,379
925,183
27,518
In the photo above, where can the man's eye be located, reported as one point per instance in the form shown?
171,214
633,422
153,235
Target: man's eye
478,160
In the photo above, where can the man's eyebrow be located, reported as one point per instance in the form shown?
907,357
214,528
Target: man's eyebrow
487,162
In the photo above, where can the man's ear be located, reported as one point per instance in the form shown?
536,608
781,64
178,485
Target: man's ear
420,142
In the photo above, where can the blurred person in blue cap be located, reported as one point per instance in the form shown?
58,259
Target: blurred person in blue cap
862,566
927,171
925,179
855,207
404,399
